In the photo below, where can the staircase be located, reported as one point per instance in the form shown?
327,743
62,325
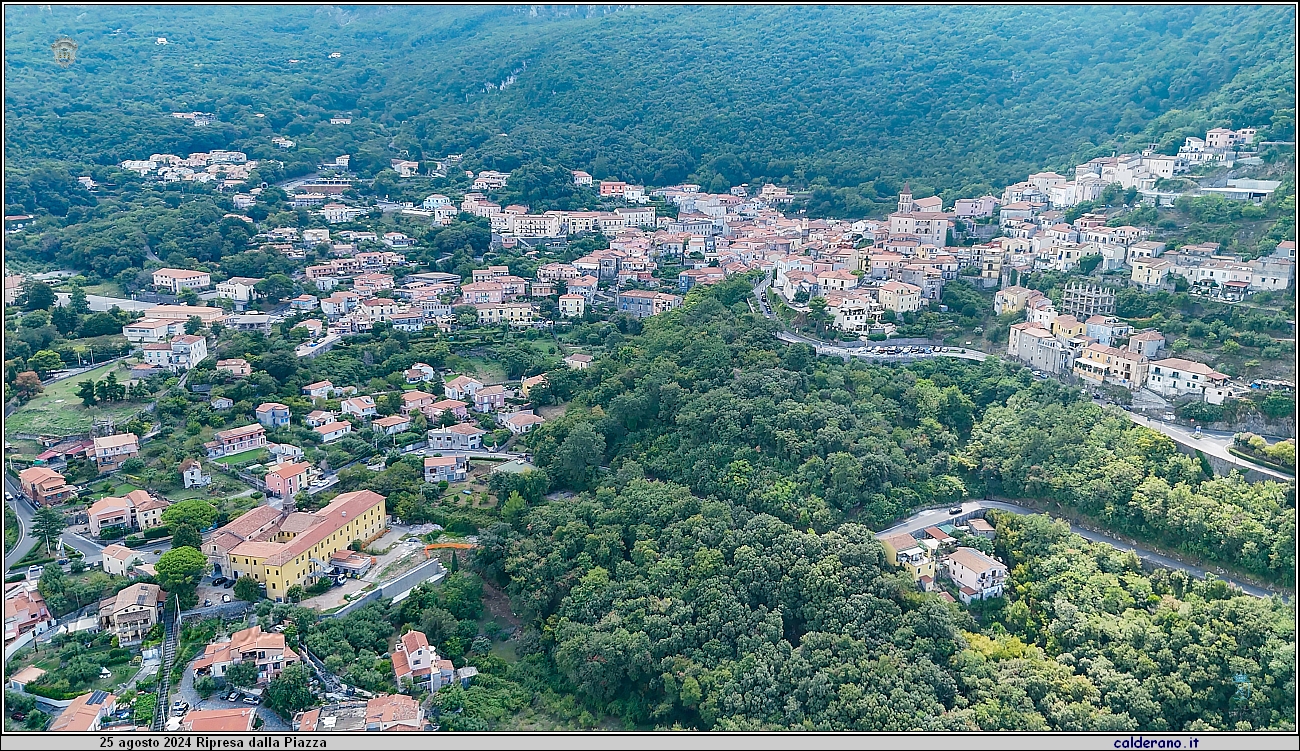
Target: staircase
171,638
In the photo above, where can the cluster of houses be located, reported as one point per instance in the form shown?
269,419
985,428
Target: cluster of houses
935,555
416,665
228,168
1102,349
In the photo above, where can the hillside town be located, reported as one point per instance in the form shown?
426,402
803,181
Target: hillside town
293,539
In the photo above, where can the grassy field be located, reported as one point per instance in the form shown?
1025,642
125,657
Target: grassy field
108,488
105,289
244,457
58,411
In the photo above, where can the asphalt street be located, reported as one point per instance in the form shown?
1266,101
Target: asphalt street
933,517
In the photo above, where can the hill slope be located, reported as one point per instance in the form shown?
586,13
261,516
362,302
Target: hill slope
862,97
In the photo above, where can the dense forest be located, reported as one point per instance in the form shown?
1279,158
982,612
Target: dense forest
668,610
721,95
707,398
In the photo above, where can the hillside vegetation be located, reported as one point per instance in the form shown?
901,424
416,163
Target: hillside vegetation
850,98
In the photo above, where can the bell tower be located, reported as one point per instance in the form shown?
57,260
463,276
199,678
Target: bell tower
905,199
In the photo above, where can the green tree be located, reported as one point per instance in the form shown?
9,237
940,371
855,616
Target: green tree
86,392
579,456
37,295
247,589
179,571
186,536
142,710
193,325
197,513
77,302
44,362
47,524
290,692
514,509
242,674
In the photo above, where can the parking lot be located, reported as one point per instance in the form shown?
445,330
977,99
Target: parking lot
185,692
215,594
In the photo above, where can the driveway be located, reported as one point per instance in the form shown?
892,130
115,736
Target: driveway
934,517
186,693
1213,442
412,550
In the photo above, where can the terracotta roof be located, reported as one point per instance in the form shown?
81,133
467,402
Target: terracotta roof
394,708
975,560
289,469
901,542
250,521
138,594
83,713
240,432
333,517
114,441
219,720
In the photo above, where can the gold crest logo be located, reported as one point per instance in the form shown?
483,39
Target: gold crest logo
65,51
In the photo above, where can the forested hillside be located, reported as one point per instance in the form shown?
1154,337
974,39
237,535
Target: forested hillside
855,98
707,398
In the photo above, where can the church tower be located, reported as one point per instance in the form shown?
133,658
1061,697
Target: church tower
905,199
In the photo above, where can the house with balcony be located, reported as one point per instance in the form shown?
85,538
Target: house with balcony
461,388
361,406
236,440
977,576
445,468
1173,377
25,610
268,652
489,399
917,560
273,415
333,431
460,437
176,281
391,425
45,486
286,479
318,390
132,612
111,450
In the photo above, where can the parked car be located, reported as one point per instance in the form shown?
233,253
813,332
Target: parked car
225,598
251,700
9,496
207,603
234,696
217,582
229,583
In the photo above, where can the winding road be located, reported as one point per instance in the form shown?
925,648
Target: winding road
91,551
1212,442
847,350
970,509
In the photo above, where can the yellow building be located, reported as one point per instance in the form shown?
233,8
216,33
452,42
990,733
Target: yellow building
1066,327
906,553
301,548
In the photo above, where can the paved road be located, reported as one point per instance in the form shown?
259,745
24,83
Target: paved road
932,517
24,513
1212,442
99,303
847,350
91,550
